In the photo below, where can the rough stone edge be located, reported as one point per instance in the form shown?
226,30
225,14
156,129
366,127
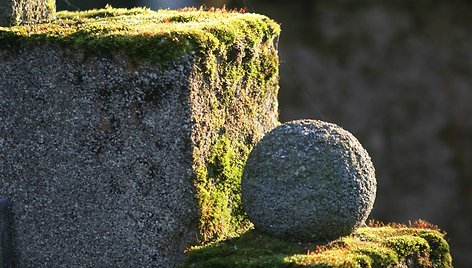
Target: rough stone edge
188,238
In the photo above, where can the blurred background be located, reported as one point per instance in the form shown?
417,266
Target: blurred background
398,75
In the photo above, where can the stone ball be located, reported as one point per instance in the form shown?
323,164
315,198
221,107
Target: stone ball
308,180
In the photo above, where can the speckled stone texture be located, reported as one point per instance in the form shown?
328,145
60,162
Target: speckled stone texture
96,156
14,12
308,180
96,160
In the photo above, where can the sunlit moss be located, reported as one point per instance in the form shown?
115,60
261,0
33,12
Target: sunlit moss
159,36
219,193
367,247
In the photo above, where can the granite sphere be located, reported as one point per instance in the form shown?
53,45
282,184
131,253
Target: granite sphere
308,180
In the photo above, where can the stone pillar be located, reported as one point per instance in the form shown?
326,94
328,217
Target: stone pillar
123,148
15,12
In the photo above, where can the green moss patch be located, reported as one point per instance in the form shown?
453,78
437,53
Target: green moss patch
238,106
140,33
218,188
243,76
384,246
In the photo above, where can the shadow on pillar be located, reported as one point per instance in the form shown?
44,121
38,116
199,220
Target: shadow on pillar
6,260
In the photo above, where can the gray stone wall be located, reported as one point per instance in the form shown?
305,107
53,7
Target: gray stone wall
96,160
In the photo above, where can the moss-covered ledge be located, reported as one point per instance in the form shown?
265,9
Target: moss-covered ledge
416,245
142,34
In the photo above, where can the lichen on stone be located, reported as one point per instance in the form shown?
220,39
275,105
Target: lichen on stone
308,179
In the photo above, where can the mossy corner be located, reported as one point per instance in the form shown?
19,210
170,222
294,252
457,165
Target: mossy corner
215,71
241,106
381,246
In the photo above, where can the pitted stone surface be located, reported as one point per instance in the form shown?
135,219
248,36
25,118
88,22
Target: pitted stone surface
308,180
95,160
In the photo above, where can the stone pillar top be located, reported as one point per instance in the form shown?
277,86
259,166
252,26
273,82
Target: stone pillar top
15,12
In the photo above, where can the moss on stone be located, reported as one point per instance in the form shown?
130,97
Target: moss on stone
219,193
159,36
385,246
51,8
238,84
243,71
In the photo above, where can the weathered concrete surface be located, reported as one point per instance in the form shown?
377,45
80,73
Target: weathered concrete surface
14,12
98,152
96,160
308,180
